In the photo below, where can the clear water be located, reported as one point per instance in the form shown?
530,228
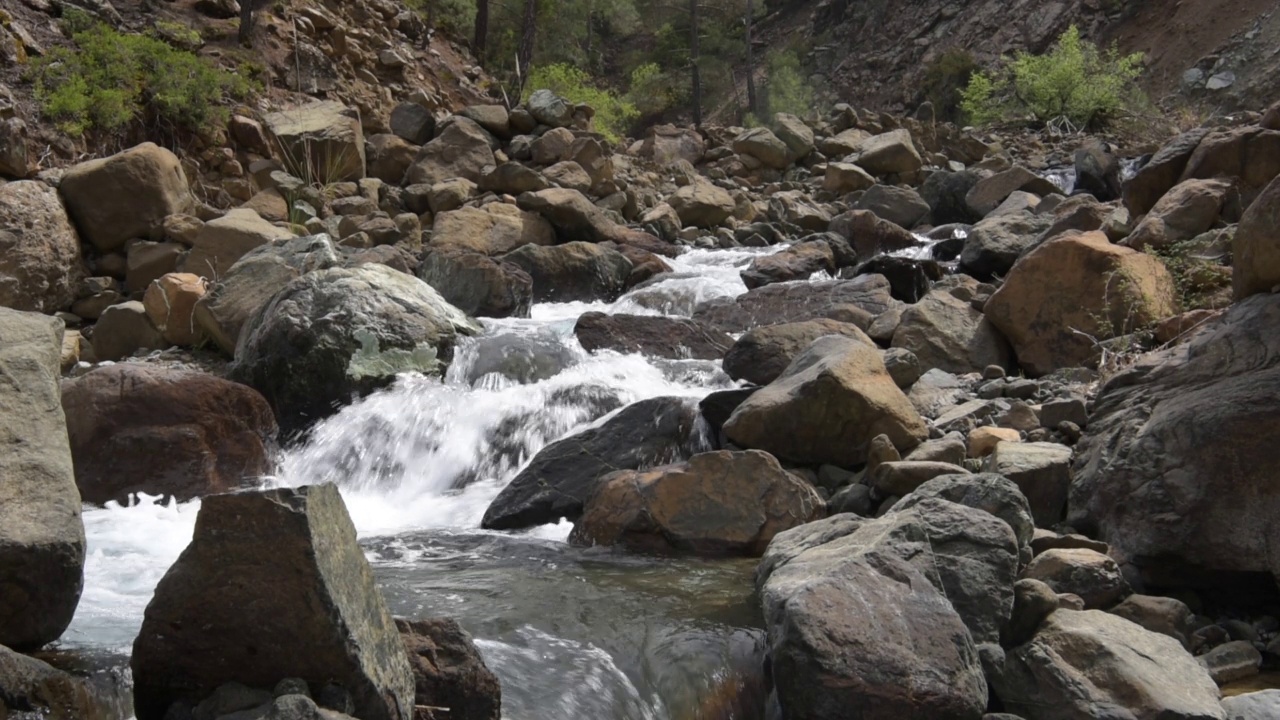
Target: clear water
572,633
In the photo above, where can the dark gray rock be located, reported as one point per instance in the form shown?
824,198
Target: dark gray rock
844,300
477,284
651,335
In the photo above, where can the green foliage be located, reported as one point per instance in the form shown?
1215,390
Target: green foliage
653,91
109,80
1201,283
945,81
178,35
613,113
1074,81
454,16
786,90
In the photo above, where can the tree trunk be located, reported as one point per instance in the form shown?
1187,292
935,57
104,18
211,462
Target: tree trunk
482,30
527,37
751,63
245,35
695,74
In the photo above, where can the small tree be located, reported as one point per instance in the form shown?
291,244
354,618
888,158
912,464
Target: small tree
613,113
1074,81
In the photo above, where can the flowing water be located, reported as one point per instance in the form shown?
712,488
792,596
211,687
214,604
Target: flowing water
574,634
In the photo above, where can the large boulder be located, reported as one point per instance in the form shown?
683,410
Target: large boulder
715,504
448,672
34,689
945,192
797,262
899,205
1153,180
332,334
560,477
891,153
476,284
988,193
272,586
1256,246
170,302
1089,664
652,335
761,144
842,178
41,534
122,197
549,109
793,131
573,271
827,406
1073,290
123,330
1250,154
701,203
251,282
1189,209
666,144
220,243
389,157
1042,471
1260,704
870,234
462,150
146,428
866,295
322,141
996,243
945,332
413,123
1088,574
1149,476
574,217
493,229
40,266
763,353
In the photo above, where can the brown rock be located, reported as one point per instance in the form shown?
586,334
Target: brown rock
142,428
983,440
675,338
321,142
448,671
170,302
827,406
990,192
843,178
269,204
148,261
665,144
1189,209
1256,247
461,150
763,353
220,243
494,229
1073,287
797,262
1250,154
858,300
121,197
889,153
716,504
702,204
1153,180
40,264
1089,574
871,235
389,157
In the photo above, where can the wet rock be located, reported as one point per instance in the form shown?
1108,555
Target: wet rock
560,477
797,302
494,229
1073,287
477,284
909,279
996,243
1153,180
323,139
518,357
1097,170
675,338
291,554
947,333
118,198
1255,248
123,330
1042,472
827,406
702,204
250,283
448,671
40,264
1187,210
797,262
716,407
1093,576
143,428
42,545
899,205
1149,476
337,333
33,688
1089,664
891,153
573,271
220,243
715,504
461,150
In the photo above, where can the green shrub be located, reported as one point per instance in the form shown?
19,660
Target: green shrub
454,16
1075,80
651,92
613,114
786,89
945,81
108,81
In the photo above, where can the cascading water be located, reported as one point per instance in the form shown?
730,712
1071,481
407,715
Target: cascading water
572,633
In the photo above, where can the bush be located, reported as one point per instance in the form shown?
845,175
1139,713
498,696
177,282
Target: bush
945,81
109,80
651,90
1075,81
613,113
786,90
